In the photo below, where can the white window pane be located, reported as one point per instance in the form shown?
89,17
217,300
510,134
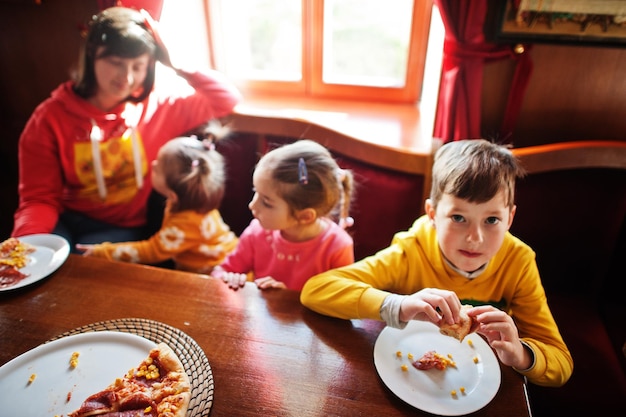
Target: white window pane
264,39
366,42
183,29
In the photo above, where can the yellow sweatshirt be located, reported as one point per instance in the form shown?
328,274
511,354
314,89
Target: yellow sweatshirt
196,242
414,261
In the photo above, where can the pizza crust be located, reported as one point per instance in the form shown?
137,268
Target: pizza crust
178,386
461,329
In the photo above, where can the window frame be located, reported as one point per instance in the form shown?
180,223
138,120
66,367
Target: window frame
311,85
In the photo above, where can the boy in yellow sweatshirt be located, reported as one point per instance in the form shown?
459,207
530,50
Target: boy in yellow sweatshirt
459,252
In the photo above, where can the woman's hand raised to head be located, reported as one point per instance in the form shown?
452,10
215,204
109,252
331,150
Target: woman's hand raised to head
162,54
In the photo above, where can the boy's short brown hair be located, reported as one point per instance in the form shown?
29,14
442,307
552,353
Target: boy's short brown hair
474,170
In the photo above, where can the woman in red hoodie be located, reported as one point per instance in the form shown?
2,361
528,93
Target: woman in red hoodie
84,170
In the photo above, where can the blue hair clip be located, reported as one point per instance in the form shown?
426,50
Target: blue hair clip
303,176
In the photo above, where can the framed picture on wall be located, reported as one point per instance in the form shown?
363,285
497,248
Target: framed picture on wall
578,22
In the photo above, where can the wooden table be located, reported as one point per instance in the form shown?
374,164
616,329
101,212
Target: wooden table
269,355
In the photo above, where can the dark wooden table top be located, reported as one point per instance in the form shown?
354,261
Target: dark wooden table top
269,355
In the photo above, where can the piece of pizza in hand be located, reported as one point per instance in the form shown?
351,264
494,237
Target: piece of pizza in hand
158,387
465,326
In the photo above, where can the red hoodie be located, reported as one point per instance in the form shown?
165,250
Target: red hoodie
57,168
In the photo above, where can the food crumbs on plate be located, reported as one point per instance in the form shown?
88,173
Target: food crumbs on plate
410,356
404,368
74,360
469,342
68,397
451,362
453,393
475,359
32,378
462,389
399,354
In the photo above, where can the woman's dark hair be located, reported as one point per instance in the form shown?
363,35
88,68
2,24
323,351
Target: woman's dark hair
121,32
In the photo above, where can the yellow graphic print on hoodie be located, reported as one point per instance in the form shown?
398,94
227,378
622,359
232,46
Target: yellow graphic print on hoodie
117,171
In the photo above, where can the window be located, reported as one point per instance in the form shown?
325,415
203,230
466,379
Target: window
360,49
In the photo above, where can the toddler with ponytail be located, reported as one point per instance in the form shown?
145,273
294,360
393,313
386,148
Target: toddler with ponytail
189,173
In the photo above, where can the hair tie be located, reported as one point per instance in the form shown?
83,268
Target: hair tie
208,144
346,222
303,176
341,175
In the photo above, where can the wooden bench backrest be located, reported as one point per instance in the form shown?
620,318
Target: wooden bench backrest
573,155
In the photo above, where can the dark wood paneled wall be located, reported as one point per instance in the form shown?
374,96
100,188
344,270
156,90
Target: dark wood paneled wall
575,93
39,46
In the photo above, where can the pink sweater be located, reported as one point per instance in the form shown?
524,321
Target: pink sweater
266,253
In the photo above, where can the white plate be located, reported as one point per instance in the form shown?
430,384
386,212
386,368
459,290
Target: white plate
430,390
50,253
104,356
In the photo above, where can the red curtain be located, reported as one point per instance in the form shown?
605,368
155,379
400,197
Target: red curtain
465,51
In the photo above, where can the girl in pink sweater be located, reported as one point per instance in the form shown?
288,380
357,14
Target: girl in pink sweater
299,188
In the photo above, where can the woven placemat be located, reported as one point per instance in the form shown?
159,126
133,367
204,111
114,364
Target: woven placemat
189,352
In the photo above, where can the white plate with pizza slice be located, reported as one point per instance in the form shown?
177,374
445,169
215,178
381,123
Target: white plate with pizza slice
50,253
463,387
41,382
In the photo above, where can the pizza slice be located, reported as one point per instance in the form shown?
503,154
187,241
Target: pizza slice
158,387
432,359
13,257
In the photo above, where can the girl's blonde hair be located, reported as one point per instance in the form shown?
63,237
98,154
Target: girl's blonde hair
307,176
195,172
474,170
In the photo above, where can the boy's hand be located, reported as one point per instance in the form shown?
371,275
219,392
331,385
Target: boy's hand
431,304
501,333
269,282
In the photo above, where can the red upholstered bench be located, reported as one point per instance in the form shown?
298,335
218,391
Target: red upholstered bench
571,209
